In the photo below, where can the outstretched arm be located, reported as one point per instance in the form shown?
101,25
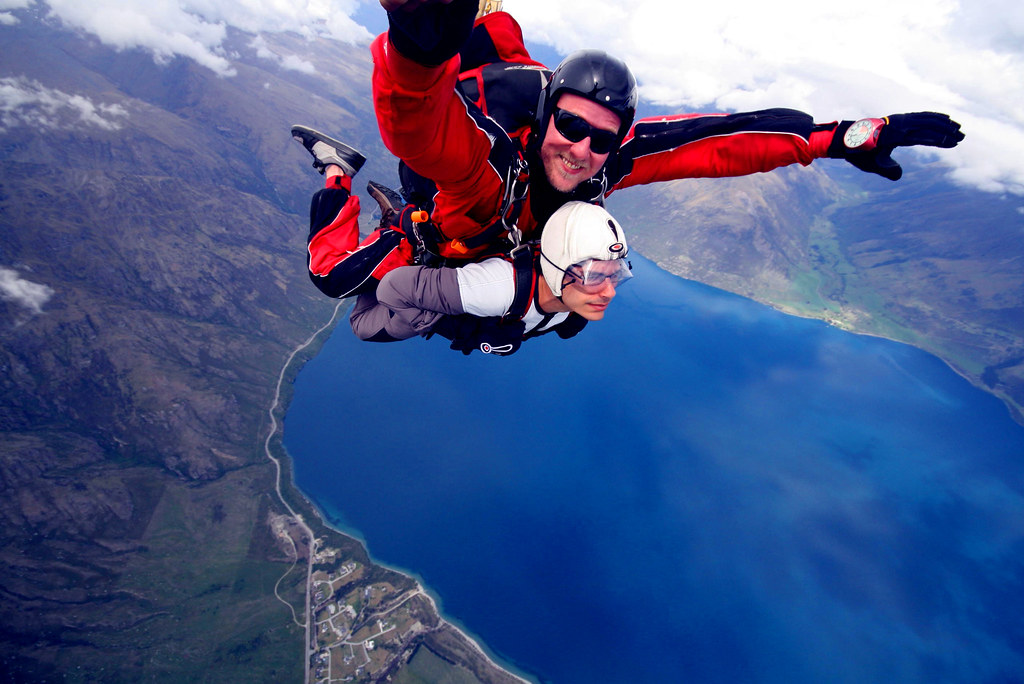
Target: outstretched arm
721,145
665,148
423,120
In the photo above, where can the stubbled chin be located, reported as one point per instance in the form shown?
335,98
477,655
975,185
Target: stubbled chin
565,177
567,183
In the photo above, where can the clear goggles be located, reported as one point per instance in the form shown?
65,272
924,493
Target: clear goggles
590,275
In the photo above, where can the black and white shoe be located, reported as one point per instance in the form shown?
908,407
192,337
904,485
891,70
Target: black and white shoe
391,203
326,150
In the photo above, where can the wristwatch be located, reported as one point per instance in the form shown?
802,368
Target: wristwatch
862,135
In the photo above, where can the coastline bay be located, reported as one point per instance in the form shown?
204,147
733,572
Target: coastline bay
698,487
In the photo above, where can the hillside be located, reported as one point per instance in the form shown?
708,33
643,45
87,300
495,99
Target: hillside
153,232
152,245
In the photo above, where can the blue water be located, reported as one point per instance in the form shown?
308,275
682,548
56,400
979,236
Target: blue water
697,488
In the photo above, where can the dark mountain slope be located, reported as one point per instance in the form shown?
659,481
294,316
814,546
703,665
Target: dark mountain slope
164,208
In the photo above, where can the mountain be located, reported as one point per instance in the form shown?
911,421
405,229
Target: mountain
152,269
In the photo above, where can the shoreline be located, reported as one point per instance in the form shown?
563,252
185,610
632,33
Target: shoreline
276,431
1012,407
446,624
433,597
1015,411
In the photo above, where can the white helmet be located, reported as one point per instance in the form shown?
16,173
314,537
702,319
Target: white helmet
577,233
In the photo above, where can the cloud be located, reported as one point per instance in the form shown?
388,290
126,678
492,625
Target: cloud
164,28
833,60
14,288
292,62
6,18
197,29
26,102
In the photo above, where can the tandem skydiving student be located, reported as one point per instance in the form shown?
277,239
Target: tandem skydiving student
557,285
571,280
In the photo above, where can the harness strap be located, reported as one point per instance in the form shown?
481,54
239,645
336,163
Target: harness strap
523,260
422,234
517,184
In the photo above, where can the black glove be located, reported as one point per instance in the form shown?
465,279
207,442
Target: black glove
901,130
489,335
433,33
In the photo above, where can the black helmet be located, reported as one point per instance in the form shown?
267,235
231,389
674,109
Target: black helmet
597,76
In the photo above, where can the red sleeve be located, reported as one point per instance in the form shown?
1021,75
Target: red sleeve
424,122
720,145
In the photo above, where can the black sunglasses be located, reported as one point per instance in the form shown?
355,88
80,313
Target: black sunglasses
573,128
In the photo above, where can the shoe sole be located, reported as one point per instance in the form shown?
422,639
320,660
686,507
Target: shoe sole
347,152
388,199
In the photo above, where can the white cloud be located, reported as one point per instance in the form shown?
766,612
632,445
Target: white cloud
6,18
25,101
833,60
14,288
162,26
292,62
196,29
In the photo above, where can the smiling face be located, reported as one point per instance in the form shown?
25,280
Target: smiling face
567,163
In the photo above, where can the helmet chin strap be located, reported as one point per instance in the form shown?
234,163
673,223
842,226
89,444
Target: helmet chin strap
545,200
600,180
560,270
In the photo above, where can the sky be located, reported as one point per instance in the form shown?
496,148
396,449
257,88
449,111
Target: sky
833,60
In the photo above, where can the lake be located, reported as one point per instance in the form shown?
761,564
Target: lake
698,488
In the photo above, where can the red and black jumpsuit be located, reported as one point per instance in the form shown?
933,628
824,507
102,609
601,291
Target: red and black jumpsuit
428,121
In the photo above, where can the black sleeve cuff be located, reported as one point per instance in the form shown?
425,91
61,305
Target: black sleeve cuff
836,148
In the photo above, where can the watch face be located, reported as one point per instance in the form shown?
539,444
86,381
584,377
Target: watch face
861,133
